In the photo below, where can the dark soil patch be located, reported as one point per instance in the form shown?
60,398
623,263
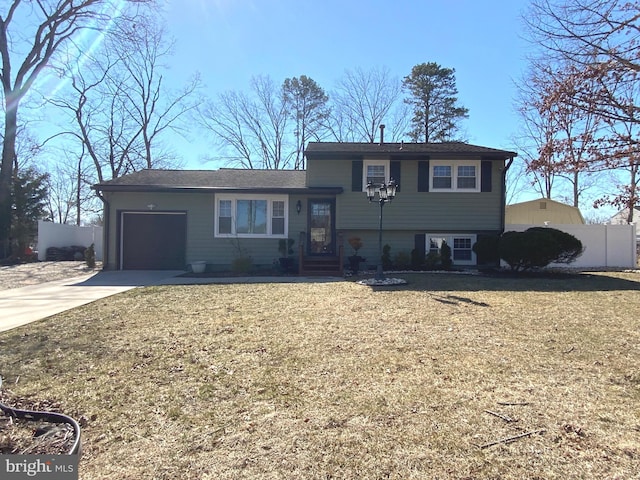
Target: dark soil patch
546,274
22,437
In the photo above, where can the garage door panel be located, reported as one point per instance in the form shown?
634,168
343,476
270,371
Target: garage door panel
153,241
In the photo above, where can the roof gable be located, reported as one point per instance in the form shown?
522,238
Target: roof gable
542,210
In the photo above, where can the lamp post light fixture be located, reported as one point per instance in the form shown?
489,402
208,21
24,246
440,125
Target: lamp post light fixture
386,193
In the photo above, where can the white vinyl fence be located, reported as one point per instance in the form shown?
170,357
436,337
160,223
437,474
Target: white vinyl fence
60,235
605,245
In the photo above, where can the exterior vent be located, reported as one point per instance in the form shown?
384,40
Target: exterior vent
543,205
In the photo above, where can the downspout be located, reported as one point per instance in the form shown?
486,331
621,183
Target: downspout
105,229
503,195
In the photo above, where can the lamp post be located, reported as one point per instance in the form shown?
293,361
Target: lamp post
386,193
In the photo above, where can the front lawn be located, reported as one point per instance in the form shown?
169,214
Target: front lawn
338,380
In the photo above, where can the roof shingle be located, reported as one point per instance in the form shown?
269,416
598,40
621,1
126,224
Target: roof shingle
225,178
444,149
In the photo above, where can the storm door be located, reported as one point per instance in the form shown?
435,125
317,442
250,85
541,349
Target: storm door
321,228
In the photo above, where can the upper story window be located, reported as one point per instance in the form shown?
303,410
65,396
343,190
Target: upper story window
455,175
251,216
467,176
442,176
375,171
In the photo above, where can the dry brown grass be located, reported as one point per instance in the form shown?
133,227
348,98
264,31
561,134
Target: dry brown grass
336,380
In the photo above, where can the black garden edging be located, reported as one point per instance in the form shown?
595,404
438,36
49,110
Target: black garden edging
50,417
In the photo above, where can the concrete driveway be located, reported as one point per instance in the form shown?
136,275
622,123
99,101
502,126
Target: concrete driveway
19,306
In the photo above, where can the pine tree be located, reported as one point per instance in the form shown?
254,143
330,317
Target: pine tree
434,98
28,205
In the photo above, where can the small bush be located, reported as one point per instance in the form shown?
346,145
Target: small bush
432,261
285,246
417,259
386,257
445,256
402,260
487,249
90,256
241,264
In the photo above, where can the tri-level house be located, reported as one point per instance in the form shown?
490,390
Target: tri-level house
169,219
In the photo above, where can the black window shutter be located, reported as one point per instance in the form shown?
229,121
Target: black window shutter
394,172
420,245
423,176
356,176
485,175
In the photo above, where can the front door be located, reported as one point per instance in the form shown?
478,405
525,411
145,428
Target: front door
321,228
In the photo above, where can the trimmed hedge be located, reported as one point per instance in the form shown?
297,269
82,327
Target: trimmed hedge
487,249
537,247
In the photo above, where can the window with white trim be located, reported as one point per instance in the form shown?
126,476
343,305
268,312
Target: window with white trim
455,175
441,176
461,250
224,216
374,171
466,176
460,244
278,217
251,216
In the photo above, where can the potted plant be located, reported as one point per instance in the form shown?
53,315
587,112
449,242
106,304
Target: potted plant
198,266
285,247
355,259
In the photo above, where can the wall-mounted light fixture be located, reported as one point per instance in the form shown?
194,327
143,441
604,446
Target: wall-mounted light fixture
298,206
151,206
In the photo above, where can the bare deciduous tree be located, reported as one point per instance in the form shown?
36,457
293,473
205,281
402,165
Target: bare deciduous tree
563,136
253,128
31,34
141,44
576,31
361,102
69,193
118,102
596,41
306,104
104,130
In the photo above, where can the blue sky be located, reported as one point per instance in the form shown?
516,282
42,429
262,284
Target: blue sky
229,41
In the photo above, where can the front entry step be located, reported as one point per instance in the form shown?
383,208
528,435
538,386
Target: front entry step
330,266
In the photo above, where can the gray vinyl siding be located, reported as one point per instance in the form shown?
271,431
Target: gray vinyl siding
411,210
196,207
329,173
201,242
